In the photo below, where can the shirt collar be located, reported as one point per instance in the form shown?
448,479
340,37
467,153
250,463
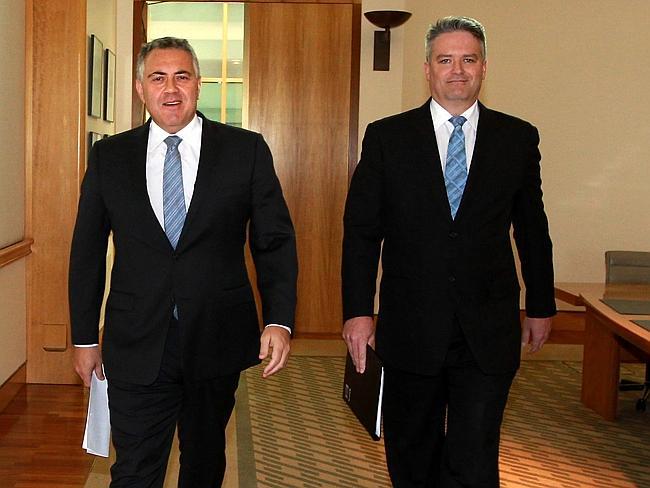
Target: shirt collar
439,115
191,133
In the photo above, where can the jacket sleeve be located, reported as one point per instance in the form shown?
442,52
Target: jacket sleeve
363,230
531,235
272,241
87,271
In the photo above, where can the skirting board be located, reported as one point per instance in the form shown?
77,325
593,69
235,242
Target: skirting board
10,387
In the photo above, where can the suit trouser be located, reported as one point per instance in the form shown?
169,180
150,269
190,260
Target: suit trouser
420,451
144,418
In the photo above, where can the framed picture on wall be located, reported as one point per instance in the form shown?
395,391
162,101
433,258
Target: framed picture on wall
95,76
109,86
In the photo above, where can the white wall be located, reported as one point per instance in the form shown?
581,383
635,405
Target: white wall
100,21
12,122
12,185
13,339
380,92
124,55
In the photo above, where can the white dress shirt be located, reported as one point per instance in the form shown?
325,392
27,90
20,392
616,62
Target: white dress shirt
190,151
444,128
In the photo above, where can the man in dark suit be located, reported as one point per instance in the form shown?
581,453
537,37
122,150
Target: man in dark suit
440,187
179,195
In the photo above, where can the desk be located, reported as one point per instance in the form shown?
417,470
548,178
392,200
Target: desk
605,332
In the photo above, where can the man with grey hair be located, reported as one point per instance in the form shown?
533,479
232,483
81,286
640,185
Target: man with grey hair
179,194
440,187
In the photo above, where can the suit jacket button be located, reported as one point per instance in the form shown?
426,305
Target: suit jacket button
452,279
175,257
453,234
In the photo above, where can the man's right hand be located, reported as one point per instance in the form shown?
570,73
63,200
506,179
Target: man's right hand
357,333
87,360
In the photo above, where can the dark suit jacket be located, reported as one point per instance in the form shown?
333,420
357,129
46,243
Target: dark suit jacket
436,269
205,276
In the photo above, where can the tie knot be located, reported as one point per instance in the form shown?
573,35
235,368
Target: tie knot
458,120
173,142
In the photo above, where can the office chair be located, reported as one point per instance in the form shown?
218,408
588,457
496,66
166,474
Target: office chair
630,267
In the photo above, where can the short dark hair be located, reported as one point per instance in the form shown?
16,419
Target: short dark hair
165,43
454,24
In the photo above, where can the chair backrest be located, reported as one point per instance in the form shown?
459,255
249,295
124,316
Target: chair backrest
627,267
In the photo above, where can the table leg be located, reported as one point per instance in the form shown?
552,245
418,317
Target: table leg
600,368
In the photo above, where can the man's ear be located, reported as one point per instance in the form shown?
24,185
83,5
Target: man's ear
138,88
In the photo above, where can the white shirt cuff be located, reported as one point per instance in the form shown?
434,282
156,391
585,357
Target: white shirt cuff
86,345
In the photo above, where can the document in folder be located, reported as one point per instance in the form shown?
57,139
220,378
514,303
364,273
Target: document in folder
363,392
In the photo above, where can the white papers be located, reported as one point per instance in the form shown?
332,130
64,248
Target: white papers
379,403
97,436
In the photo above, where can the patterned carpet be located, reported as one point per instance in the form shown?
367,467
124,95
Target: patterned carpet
293,430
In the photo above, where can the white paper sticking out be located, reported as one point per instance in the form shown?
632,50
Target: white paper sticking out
97,436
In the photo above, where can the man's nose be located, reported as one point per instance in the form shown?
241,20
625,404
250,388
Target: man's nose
170,84
458,66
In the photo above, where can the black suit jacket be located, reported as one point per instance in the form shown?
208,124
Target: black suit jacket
436,269
236,186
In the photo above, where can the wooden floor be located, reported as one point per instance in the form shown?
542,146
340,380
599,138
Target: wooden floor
40,438
42,428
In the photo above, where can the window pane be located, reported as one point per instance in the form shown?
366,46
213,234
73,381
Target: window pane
210,100
235,40
198,22
234,97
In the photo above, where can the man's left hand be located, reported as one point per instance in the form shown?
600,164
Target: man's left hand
535,332
277,339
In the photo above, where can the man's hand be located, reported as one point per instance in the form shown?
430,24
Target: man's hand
357,333
87,360
278,340
535,332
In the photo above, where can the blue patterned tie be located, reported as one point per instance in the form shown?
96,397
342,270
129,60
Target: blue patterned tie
173,196
456,166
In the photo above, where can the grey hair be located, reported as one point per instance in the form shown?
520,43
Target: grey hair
165,43
454,24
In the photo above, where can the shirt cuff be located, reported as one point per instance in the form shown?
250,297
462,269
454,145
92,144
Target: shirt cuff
86,345
278,325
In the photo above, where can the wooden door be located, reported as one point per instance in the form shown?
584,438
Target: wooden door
55,159
303,97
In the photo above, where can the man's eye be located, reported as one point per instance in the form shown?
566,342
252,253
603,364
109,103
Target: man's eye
470,60
445,61
157,78
182,77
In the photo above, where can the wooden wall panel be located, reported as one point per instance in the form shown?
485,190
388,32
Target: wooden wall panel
56,83
12,386
300,66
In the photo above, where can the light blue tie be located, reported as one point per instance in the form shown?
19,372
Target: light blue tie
456,166
173,196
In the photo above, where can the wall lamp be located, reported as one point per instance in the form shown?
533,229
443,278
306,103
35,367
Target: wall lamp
386,19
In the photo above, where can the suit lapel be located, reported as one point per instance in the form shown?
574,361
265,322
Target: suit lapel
428,146
145,217
210,138
479,168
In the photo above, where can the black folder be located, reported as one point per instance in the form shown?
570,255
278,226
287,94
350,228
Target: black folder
363,392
